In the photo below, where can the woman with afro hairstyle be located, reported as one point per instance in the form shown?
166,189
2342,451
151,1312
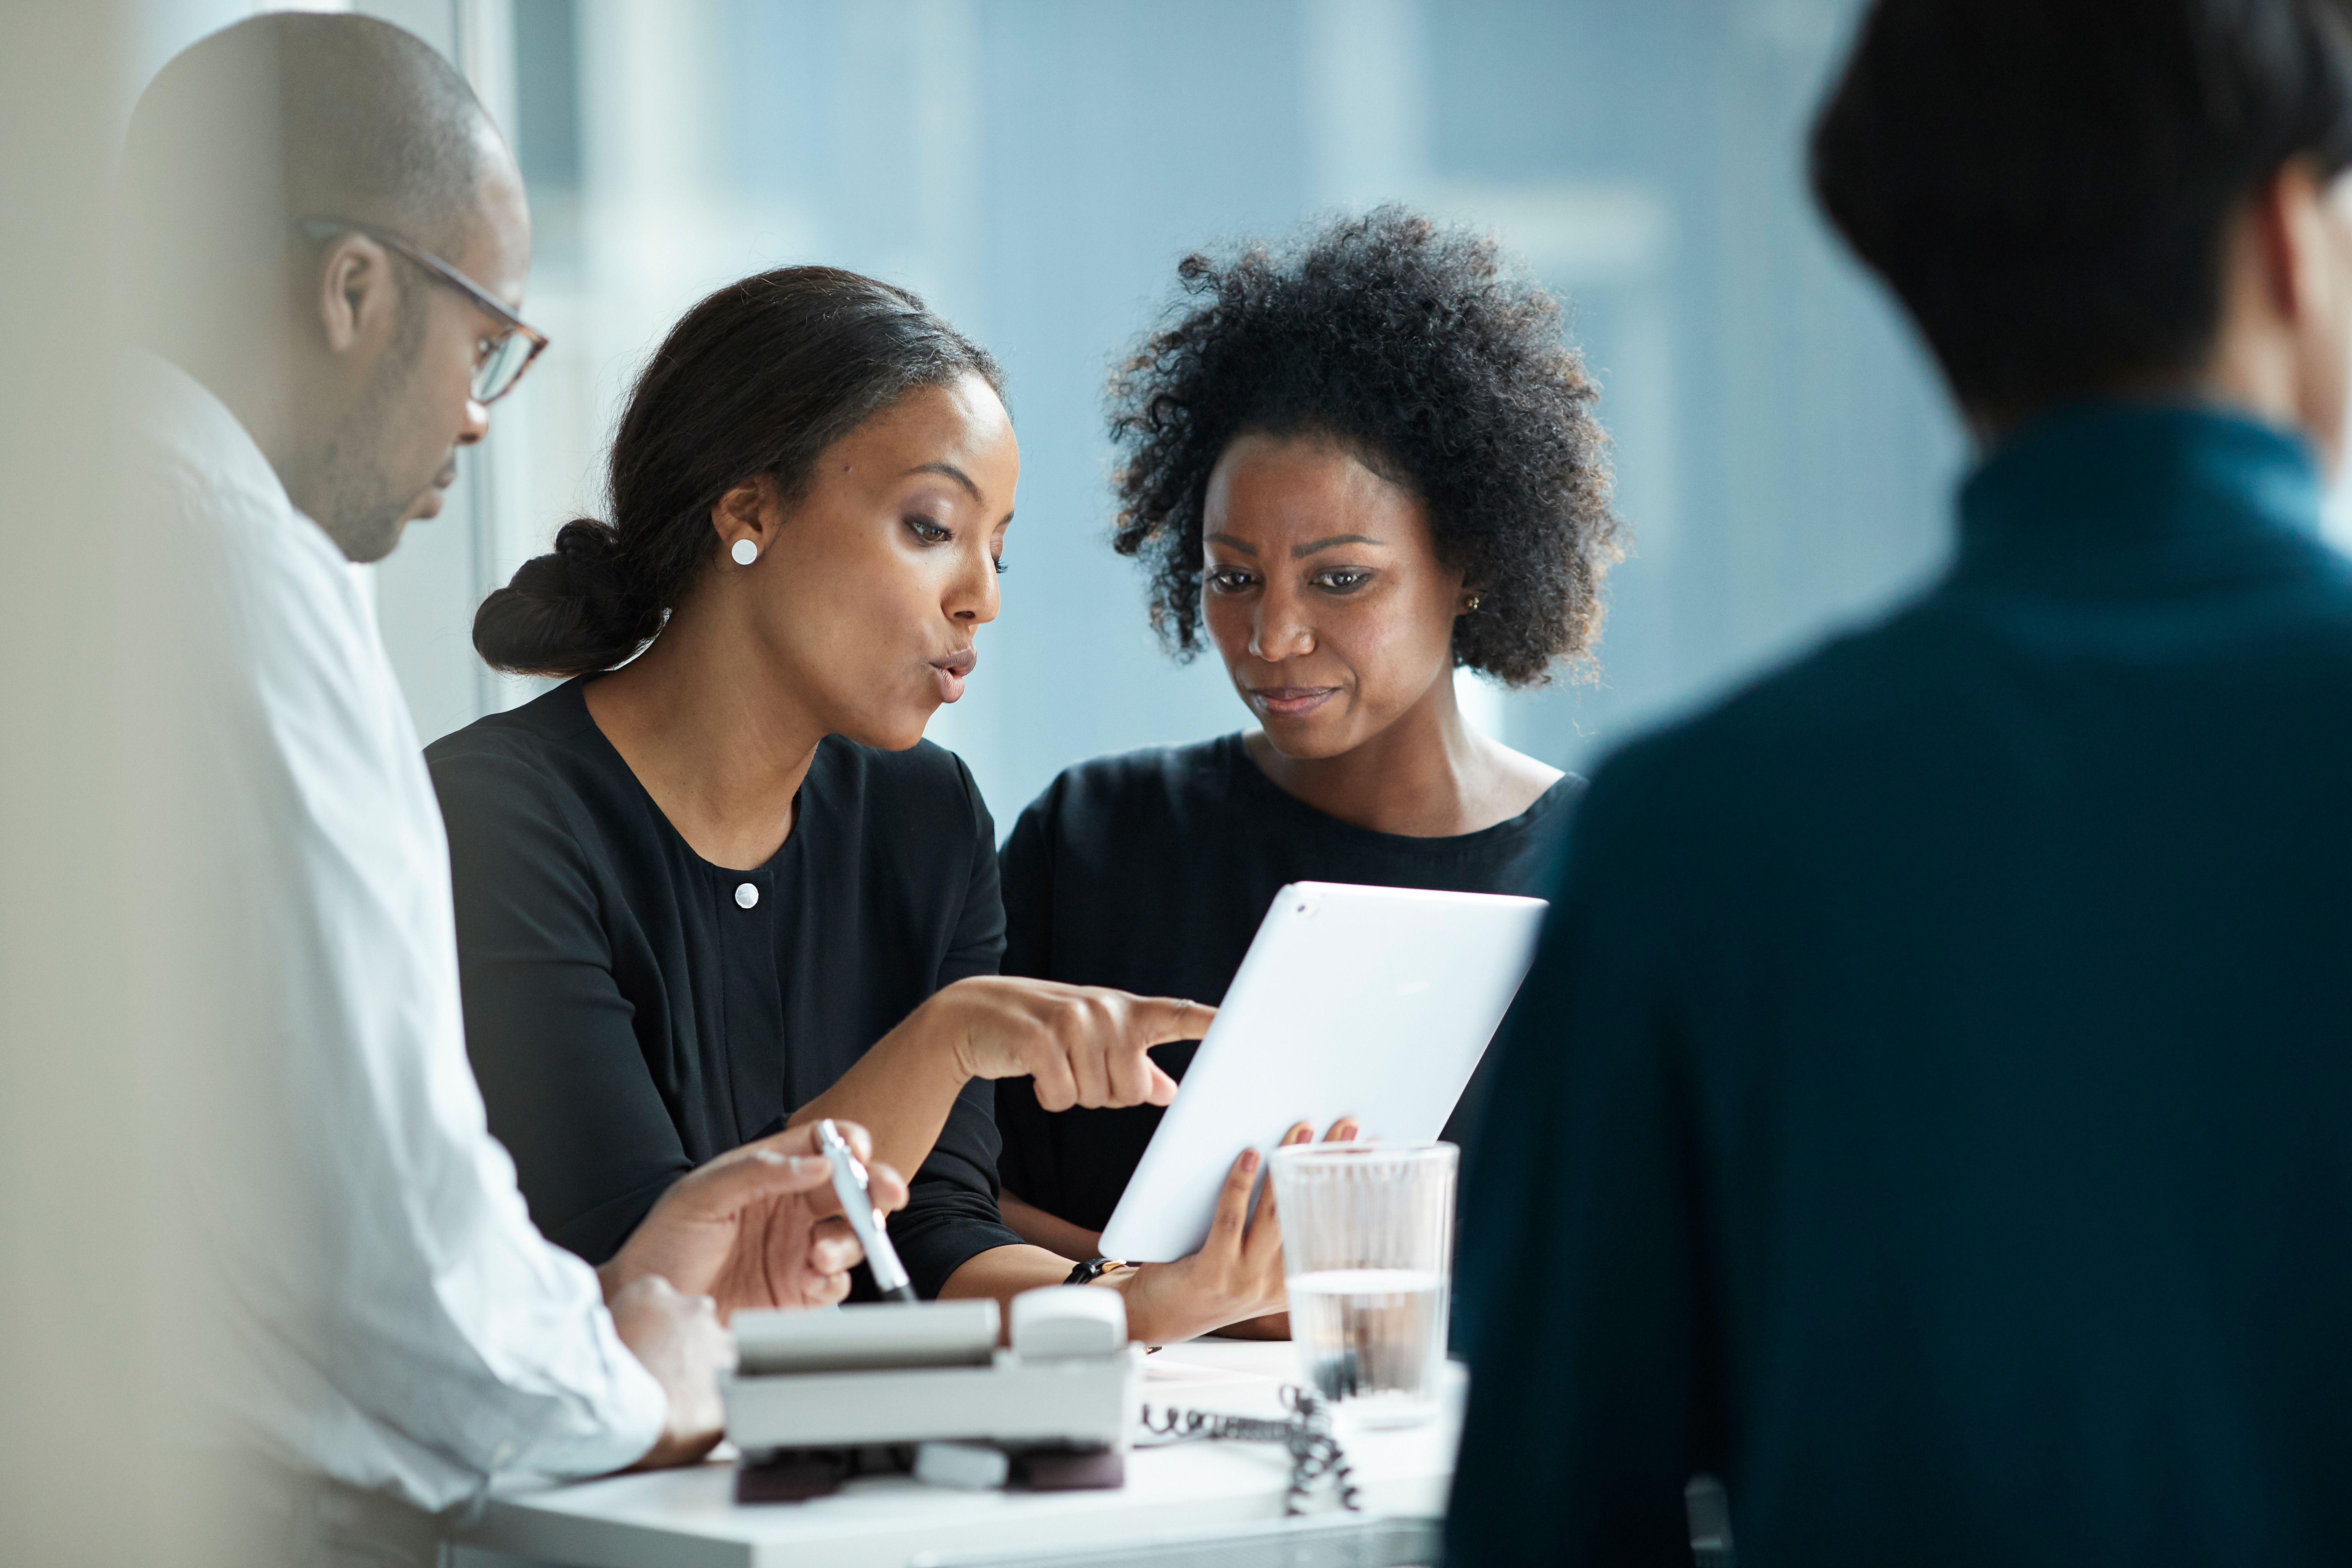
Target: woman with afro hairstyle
1352,468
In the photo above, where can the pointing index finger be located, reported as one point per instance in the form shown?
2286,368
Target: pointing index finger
1160,1019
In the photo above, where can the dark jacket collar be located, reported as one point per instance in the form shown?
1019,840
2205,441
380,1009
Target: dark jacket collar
2122,491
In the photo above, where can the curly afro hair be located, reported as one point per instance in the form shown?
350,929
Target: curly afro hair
1414,347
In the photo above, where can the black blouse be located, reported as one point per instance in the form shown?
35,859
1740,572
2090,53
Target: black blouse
1150,872
633,1010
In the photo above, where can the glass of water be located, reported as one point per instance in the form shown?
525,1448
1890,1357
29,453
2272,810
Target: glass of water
1367,1250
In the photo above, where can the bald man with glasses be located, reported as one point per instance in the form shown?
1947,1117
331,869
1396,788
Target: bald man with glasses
329,242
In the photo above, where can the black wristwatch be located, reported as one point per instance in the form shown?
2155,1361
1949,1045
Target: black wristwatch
1089,1272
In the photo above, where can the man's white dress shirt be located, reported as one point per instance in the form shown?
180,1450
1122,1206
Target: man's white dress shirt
393,1319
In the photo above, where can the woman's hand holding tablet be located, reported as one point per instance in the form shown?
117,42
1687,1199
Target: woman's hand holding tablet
1235,1281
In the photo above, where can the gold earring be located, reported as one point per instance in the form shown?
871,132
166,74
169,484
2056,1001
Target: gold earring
1472,605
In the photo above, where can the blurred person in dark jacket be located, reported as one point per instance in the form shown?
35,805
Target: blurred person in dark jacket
1930,1111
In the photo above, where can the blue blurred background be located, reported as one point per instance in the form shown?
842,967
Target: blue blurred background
1035,168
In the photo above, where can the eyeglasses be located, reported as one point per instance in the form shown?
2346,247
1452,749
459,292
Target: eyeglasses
499,359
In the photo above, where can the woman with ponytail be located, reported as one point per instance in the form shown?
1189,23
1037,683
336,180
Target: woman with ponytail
717,883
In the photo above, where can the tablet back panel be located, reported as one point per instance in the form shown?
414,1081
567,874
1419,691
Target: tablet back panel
1374,1003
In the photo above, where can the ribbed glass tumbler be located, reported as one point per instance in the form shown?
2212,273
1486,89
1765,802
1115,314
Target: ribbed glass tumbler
1367,1252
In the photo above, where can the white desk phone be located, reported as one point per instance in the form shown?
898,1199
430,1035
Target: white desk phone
1052,1411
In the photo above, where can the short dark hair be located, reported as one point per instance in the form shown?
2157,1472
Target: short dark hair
760,378
359,118
2046,184
1417,348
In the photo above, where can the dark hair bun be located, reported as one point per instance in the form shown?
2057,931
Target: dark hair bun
569,612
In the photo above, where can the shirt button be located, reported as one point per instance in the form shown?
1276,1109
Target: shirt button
745,895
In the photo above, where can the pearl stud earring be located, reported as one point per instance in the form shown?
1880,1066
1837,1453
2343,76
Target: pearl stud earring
745,552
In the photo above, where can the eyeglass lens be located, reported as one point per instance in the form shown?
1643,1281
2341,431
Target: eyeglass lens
495,376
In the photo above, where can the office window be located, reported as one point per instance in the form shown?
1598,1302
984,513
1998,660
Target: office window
1035,167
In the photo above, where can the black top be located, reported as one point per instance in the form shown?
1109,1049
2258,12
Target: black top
1150,872
629,1018
1930,1109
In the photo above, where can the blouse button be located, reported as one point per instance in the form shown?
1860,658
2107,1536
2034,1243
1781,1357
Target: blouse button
745,895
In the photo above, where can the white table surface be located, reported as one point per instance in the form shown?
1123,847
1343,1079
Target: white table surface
688,1518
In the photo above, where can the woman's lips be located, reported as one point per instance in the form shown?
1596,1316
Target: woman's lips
1289,701
949,672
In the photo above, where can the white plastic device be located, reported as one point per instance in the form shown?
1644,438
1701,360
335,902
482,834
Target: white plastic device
1066,1322
887,1373
1374,1003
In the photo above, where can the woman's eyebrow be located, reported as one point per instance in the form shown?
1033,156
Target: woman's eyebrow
951,471
1301,552
1230,542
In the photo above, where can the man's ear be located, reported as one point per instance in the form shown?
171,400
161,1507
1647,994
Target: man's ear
2295,257
357,294
2276,287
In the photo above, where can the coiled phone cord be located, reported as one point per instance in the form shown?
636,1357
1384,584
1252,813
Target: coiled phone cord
1314,1452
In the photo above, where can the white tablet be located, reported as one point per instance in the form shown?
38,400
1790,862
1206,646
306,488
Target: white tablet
1374,1003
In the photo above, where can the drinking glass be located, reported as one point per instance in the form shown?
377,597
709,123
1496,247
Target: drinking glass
1367,1250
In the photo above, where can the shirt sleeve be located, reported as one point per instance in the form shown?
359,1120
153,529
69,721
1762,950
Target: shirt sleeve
551,1032
1580,1265
415,1331
951,1215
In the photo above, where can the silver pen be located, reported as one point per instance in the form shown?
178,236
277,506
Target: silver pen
865,1219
